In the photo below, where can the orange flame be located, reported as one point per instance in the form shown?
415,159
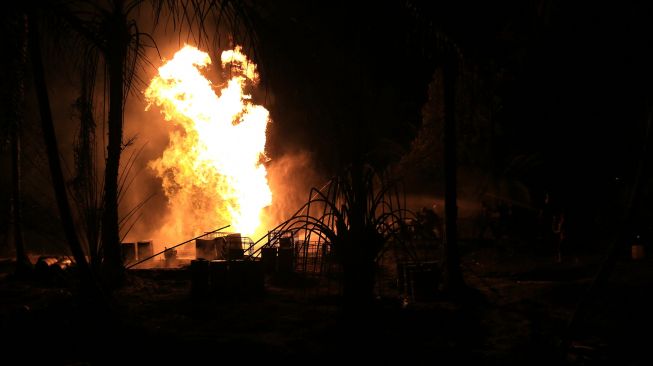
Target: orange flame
212,169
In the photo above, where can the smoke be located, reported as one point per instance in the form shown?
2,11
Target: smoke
290,177
142,189
143,204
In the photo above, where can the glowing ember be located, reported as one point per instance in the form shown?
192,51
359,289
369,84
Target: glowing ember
212,169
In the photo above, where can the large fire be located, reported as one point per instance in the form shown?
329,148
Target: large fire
212,169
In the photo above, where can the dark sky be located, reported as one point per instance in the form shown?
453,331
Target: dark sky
572,78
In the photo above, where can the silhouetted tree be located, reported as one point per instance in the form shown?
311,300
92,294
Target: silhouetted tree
52,150
15,24
358,213
452,274
85,183
120,34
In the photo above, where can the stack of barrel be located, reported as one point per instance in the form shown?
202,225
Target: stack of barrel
279,259
134,251
221,270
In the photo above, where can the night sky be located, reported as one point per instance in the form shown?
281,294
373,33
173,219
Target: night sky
563,85
569,81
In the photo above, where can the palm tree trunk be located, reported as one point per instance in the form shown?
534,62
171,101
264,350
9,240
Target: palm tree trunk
52,151
116,54
22,261
16,105
452,274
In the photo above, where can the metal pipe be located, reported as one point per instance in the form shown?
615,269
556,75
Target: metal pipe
182,243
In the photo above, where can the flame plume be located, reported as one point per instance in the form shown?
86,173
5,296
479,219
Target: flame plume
212,169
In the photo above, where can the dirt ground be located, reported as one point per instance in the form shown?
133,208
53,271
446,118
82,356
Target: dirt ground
516,313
